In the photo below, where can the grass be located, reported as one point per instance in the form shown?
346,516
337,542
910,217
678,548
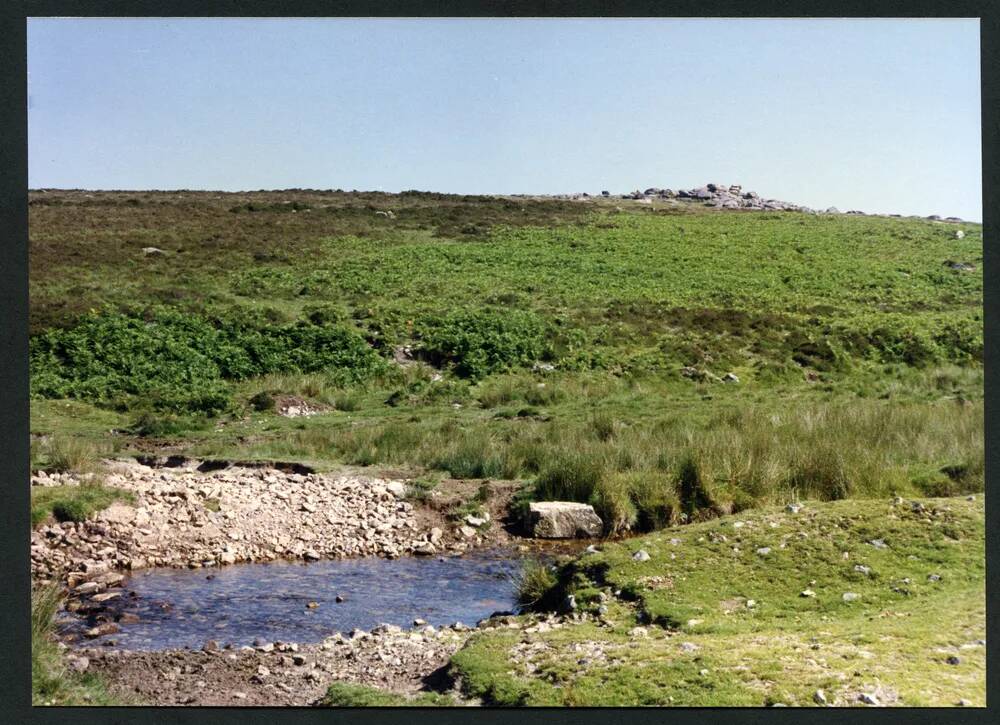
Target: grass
568,345
726,624
52,683
345,694
73,503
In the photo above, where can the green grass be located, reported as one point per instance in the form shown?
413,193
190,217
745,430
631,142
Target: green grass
857,349
695,589
73,503
345,694
52,683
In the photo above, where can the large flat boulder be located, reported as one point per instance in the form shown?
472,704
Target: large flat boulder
563,520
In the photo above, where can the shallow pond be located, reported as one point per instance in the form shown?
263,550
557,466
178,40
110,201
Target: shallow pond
238,604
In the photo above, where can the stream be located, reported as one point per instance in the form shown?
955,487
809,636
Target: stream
238,604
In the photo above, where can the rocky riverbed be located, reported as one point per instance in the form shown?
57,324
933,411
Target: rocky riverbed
405,661
183,517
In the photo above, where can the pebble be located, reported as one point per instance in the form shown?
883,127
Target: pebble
868,699
819,697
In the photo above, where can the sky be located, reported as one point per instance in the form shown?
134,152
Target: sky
870,114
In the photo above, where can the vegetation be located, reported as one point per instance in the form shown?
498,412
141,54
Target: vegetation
73,503
52,683
576,346
345,694
761,608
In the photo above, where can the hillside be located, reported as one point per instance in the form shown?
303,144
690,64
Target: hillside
599,349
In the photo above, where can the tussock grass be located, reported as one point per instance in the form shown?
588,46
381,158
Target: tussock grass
653,473
65,453
51,682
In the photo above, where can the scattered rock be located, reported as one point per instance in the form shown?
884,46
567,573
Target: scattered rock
850,596
819,697
807,593
641,555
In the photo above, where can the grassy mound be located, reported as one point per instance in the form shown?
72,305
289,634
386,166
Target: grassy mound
73,503
851,598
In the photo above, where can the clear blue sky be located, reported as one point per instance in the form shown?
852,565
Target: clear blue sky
878,115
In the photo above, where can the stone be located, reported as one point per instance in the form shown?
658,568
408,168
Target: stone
563,520
764,550
793,508
396,488
106,596
436,534
101,630
474,520
878,544
807,593
866,570
868,699
819,697
152,251
959,234
641,555
953,660
78,664
730,378
850,596
87,588
210,646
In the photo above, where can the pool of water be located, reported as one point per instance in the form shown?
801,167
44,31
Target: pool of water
238,604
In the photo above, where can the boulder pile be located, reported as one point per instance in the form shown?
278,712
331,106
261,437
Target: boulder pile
720,196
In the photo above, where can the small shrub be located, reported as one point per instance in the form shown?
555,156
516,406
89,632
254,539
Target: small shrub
532,583
262,401
477,343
